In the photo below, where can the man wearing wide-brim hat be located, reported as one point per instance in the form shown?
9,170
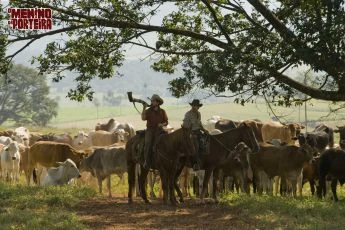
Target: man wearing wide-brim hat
193,119
155,118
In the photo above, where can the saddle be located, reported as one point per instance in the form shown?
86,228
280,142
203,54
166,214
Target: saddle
204,143
140,145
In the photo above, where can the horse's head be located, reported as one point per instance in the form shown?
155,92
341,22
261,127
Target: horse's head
249,138
187,140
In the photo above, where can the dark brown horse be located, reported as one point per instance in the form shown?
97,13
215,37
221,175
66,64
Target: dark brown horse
168,152
220,149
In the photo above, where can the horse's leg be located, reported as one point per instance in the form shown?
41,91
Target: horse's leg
205,183
177,188
142,180
136,179
131,169
215,180
171,181
165,186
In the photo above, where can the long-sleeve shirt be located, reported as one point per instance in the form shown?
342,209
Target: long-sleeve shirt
153,118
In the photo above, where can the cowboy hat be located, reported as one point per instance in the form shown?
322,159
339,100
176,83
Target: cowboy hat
196,102
155,97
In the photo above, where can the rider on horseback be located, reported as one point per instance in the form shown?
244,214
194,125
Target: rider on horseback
156,118
193,119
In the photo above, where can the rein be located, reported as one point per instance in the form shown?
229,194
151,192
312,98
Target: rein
166,158
221,144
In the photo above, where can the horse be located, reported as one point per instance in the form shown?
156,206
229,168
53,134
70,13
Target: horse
168,152
220,150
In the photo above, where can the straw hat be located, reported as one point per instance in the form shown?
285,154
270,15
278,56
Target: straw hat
157,98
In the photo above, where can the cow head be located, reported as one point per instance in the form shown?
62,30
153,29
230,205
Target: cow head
81,137
69,169
120,135
13,150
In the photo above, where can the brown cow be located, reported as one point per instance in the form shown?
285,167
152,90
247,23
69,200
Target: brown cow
47,153
257,128
275,130
106,126
34,137
7,133
284,161
310,174
104,138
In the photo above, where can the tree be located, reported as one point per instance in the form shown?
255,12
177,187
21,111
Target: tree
240,46
24,97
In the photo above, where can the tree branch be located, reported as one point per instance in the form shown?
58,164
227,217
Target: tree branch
216,20
291,39
172,52
133,25
38,36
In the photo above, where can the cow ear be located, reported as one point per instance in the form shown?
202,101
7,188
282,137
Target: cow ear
302,126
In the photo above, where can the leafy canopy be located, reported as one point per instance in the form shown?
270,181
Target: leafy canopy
245,47
24,97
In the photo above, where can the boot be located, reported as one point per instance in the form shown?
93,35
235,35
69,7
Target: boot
147,162
196,165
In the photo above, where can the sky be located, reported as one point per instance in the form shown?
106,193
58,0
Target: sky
38,47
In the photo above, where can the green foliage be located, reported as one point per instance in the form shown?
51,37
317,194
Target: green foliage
23,207
222,45
24,97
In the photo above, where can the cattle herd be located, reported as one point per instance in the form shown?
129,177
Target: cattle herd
272,158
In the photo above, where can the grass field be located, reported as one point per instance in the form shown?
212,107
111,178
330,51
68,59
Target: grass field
23,207
87,116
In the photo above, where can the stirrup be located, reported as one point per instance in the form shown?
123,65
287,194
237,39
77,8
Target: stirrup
196,167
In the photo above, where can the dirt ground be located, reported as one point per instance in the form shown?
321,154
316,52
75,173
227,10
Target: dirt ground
116,213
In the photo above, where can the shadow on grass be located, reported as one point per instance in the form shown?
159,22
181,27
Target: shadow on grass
286,212
23,207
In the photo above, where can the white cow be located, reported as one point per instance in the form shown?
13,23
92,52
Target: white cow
10,159
127,127
81,141
5,140
22,136
61,175
210,124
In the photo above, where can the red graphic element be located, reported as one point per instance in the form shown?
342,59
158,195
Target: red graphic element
30,18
